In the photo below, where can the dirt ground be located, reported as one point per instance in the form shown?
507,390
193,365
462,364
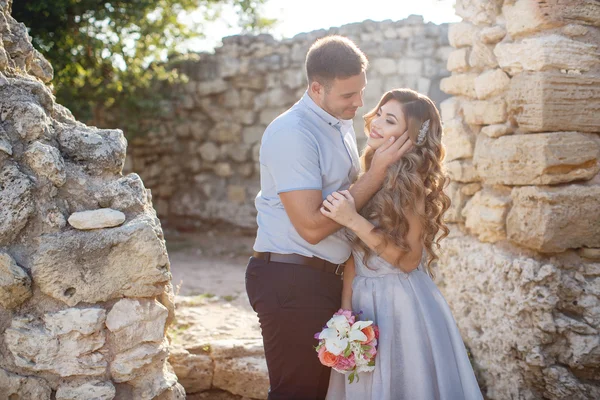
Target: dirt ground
208,271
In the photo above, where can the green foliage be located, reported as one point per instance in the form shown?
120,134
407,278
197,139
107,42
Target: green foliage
107,54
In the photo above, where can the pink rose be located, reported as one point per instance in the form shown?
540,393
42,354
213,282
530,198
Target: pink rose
376,329
326,358
345,363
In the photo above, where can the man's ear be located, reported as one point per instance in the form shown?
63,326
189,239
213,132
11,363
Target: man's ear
316,88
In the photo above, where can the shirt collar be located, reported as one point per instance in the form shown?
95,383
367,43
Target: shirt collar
324,115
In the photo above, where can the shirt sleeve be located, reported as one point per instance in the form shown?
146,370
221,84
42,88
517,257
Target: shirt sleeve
292,159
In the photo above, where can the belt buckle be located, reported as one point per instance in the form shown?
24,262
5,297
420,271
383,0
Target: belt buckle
337,272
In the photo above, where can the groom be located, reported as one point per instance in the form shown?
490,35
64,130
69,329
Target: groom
293,279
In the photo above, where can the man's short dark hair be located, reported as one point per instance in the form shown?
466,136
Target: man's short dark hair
334,57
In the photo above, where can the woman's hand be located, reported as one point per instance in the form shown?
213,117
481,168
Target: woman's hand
340,207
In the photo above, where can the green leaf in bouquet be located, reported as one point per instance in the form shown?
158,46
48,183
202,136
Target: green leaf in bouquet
371,363
348,351
351,377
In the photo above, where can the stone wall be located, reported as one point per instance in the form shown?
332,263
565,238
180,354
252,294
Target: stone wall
522,268
85,292
200,158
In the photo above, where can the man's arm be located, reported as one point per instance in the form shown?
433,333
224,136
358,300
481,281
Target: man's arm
303,206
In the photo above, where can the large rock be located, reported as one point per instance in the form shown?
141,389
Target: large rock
485,112
525,17
15,284
46,162
129,365
99,150
458,60
509,301
485,214
458,199
458,139
537,159
462,34
479,12
491,83
462,171
547,53
240,367
96,219
459,84
133,322
549,102
194,371
96,390
23,387
554,219
16,205
66,343
133,255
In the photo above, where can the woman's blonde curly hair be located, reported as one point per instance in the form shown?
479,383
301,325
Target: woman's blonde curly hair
416,176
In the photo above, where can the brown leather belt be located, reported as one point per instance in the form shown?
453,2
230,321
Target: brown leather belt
313,262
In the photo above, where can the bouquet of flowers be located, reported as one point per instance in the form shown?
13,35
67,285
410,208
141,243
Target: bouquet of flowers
347,345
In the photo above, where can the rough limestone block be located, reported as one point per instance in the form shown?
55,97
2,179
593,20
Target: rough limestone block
479,12
485,215
66,345
458,199
23,387
96,219
194,371
96,390
458,139
537,159
497,130
135,321
508,299
462,171
46,162
482,56
15,284
100,150
245,376
549,102
16,205
459,84
132,254
547,53
129,364
462,34
491,83
382,66
492,35
526,17
458,60
450,108
485,112
554,219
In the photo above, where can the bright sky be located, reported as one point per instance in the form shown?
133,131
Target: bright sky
296,16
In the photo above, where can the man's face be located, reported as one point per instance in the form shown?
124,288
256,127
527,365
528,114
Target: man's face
344,96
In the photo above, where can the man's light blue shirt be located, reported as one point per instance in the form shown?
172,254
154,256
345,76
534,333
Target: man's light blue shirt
304,148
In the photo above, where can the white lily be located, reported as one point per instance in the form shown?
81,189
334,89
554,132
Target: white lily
355,331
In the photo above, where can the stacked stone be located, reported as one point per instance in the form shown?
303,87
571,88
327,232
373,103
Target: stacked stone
200,160
85,292
524,154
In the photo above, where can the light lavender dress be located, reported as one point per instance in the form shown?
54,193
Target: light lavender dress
421,355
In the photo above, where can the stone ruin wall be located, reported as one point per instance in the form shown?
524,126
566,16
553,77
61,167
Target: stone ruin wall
521,269
83,311
200,158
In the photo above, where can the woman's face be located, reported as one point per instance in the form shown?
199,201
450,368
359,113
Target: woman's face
389,121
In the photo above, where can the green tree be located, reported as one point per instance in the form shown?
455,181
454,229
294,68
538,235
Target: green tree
107,54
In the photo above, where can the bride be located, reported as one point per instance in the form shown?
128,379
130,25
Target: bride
421,355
